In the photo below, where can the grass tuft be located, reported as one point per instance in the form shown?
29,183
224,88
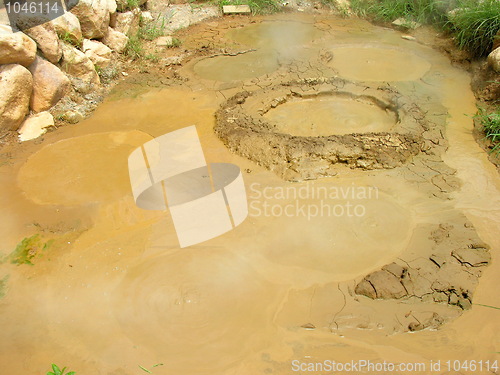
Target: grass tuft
490,121
474,23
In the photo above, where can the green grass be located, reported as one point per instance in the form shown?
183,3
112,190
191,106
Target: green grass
474,26
134,48
490,122
153,29
28,249
57,371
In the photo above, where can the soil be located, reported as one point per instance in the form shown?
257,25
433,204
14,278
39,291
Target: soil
324,282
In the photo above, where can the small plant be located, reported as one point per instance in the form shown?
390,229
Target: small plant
491,126
175,43
134,48
153,29
57,371
152,57
28,249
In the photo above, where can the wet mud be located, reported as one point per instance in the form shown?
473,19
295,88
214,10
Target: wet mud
336,261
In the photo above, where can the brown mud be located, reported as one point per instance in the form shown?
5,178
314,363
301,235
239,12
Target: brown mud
303,278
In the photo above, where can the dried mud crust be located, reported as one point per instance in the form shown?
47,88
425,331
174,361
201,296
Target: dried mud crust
436,281
434,278
243,129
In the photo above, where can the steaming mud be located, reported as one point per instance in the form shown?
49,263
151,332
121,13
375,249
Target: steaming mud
113,291
371,63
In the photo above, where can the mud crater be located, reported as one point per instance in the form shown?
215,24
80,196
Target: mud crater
298,145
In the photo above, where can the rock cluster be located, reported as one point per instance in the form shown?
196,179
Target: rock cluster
42,64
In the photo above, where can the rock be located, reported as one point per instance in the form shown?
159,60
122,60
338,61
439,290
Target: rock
127,23
385,285
236,9
72,117
165,41
94,17
494,60
408,37
97,52
35,126
76,63
115,40
16,85
112,6
406,23
49,85
68,28
16,48
47,41
146,17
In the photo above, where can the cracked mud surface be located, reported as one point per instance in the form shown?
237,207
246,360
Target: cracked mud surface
115,291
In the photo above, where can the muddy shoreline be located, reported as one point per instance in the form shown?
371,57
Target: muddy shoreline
116,288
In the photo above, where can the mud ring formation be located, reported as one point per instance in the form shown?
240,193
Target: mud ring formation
242,127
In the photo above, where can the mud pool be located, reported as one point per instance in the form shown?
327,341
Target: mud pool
112,290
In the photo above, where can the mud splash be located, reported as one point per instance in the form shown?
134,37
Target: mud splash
119,293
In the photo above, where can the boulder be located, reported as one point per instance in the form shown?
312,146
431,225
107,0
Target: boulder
16,85
494,60
115,40
381,284
97,52
93,16
16,48
76,63
68,28
35,126
49,85
47,41
127,23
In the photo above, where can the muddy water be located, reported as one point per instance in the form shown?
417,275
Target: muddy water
323,117
376,63
119,293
